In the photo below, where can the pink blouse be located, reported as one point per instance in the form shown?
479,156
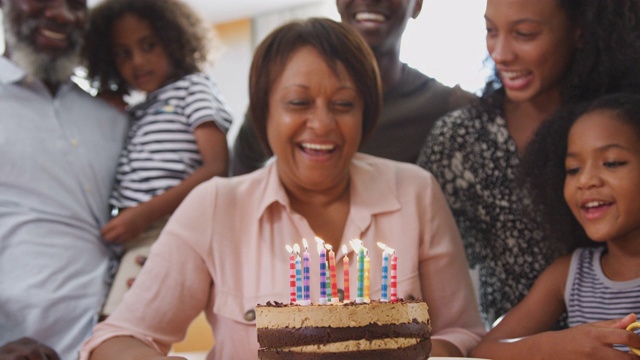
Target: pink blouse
223,251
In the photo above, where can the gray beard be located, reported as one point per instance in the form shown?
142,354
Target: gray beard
49,68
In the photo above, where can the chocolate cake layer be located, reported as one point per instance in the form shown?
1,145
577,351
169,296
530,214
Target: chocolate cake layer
284,337
420,351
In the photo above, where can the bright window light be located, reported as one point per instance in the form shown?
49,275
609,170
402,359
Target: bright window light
447,42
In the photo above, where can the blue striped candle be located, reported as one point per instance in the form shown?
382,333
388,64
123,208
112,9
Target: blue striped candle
306,275
323,271
385,276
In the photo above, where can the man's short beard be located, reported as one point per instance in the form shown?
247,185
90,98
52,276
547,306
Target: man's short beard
51,68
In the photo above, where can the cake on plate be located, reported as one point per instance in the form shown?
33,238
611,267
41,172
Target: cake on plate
375,330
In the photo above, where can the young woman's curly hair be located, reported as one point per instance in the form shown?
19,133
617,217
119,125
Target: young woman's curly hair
185,37
544,169
542,176
606,60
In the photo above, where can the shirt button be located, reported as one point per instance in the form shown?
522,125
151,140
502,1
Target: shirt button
74,142
250,315
88,188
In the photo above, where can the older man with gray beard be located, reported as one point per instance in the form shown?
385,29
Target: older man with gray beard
58,152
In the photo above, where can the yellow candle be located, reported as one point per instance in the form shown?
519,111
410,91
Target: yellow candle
360,250
345,266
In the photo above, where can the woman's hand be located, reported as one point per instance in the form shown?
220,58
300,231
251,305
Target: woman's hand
27,349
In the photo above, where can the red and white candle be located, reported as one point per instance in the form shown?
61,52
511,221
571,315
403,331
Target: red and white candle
333,275
292,274
296,250
394,277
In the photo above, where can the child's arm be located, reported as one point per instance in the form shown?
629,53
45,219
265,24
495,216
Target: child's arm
212,145
115,99
525,332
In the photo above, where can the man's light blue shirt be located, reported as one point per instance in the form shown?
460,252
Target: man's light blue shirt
57,163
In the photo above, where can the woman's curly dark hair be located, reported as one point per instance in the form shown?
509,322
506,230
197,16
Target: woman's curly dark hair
607,60
185,37
544,163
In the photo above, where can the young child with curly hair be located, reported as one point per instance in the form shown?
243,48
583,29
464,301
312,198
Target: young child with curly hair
178,134
584,161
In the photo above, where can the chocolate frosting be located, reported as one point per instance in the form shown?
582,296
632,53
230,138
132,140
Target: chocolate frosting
285,337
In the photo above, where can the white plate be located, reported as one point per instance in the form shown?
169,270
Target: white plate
196,355
203,356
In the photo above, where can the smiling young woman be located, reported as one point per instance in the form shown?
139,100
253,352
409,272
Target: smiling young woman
547,54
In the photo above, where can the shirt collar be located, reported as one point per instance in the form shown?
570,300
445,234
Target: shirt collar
10,72
274,192
372,191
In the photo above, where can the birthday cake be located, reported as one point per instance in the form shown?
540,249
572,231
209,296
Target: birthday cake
375,330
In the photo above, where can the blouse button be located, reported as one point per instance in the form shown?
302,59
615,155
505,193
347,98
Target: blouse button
250,315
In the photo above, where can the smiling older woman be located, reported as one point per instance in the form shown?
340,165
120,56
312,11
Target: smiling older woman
315,96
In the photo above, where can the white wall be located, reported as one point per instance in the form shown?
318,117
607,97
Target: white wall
231,68
447,42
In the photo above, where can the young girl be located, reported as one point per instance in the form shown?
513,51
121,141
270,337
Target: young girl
597,152
178,134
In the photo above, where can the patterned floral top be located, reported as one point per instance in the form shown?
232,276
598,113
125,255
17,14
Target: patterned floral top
476,161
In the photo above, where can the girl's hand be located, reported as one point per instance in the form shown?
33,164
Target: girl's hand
584,342
624,322
594,340
127,225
